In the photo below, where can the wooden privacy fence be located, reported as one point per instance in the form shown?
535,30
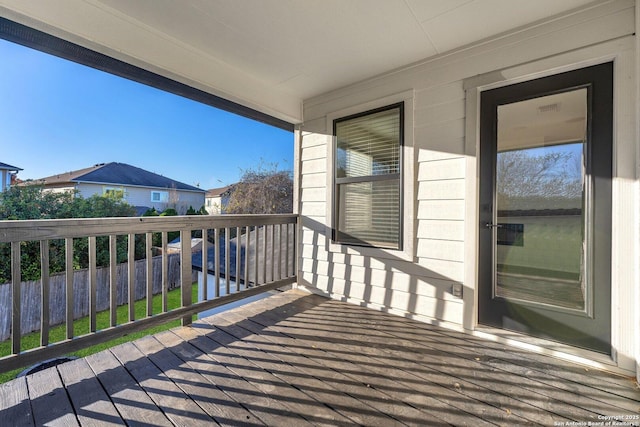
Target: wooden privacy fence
31,291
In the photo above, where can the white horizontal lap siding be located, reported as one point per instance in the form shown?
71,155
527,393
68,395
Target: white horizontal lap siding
141,196
421,287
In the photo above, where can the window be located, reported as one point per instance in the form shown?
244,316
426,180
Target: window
368,176
118,193
159,196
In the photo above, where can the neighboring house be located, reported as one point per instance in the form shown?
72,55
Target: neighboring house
394,108
139,187
216,199
7,175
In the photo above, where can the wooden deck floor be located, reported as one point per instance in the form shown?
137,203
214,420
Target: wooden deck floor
295,359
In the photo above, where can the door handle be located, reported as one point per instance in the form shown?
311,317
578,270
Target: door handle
490,225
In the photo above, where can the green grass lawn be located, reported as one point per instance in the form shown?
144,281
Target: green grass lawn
81,327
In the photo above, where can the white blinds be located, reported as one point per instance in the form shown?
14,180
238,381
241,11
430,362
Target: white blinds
368,202
369,145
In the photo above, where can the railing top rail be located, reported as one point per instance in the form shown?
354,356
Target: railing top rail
49,229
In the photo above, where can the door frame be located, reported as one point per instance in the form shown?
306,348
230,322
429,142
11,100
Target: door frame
589,328
625,168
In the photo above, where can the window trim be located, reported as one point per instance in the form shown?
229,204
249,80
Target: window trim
369,178
408,181
119,191
160,198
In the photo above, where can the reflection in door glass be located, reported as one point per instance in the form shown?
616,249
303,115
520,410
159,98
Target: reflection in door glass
540,200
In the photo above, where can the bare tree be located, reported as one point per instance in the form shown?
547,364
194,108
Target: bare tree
264,190
554,174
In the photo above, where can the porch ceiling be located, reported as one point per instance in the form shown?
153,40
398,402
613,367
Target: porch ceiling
271,55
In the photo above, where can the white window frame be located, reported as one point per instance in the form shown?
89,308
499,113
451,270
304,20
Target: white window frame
163,196
408,186
107,190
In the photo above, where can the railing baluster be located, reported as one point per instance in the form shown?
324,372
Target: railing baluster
44,293
246,257
68,249
205,264
280,251
286,250
273,252
113,280
16,297
256,251
185,272
264,270
216,264
165,271
238,256
131,276
227,259
93,280
264,255
149,265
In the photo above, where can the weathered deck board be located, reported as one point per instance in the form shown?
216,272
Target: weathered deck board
211,399
308,375
90,402
15,408
49,400
177,406
299,359
401,385
262,405
405,373
133,404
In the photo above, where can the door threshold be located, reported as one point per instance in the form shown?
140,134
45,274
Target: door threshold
566,352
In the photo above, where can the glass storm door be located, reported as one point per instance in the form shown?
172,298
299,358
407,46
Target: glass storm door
545,208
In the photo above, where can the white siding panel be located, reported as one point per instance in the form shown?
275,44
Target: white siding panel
314,152
425,286
441,230
315,266
311,237
313,139
450,145
314,280
446,310
317,126
314,209
314,166
450,130
441,249
431,153
440,114
350,273
442,269
314,180
314,194
441,190
432,96
441,209
313,252
442,169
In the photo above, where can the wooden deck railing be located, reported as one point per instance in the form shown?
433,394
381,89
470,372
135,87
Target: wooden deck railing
254,252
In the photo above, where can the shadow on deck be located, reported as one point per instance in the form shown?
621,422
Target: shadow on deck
298,359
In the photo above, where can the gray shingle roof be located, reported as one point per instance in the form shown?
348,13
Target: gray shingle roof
120,174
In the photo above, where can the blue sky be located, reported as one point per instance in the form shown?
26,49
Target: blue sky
57,116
